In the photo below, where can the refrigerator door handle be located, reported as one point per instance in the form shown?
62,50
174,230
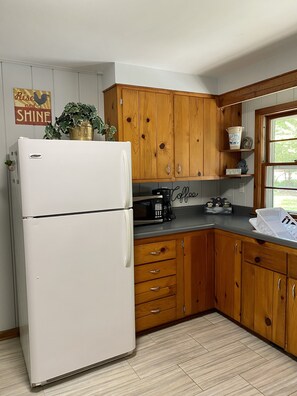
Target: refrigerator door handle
127,179
128,225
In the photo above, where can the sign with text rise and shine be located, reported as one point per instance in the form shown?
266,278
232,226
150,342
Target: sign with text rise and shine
32,107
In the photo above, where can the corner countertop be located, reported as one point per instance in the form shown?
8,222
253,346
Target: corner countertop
193,219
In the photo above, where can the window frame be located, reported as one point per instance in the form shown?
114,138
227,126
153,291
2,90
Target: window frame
262,130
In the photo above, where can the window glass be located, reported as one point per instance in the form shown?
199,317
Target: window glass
284,128
283,151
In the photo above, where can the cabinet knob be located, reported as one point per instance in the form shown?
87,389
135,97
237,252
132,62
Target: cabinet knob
162,146
155,311
257,259
157,288
155,271
168,169
293,291
129,119
155,252
179,168
268,321
147,120
199,173
143,136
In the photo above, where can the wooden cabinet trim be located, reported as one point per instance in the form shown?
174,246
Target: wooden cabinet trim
261,88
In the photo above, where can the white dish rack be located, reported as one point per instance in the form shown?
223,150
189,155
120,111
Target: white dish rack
275,222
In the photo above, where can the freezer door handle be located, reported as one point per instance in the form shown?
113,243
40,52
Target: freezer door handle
127,179
128,227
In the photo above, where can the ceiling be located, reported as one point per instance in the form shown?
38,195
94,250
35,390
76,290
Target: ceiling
204,37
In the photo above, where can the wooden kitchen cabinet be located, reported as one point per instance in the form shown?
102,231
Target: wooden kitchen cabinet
264,291
145,118
291,319
196,137
198,271
174,135
228,273
158,281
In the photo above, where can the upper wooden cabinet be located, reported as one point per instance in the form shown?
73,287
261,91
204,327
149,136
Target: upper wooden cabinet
144,117
196,137
173,135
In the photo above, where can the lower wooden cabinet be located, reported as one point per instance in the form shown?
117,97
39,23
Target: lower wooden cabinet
158,281
228,273
174,277
198,271
264,302
251,281
291,346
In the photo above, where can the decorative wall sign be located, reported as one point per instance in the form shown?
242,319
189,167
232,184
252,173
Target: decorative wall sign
184,195
32,107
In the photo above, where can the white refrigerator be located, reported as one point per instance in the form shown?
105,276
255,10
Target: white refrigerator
73,236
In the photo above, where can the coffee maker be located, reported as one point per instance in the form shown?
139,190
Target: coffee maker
167,208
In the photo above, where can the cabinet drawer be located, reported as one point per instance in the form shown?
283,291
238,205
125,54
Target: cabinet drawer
292,266
152,320
157,251
156,270
265,257
155,307
151,290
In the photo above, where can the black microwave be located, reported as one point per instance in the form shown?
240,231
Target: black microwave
147,209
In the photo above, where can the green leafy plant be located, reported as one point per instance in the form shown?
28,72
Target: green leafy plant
74,114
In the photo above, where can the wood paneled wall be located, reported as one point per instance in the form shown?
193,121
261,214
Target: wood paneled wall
65,86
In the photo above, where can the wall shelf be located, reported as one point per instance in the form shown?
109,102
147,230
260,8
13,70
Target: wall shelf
238,151
237,176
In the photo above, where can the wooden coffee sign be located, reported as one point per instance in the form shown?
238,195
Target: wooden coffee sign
32,107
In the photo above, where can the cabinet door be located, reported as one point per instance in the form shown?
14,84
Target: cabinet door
211,138
228,274
147,123
188,134
130,127
263,302
199,272
164,122
292,317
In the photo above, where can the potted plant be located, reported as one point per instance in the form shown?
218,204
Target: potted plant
79,121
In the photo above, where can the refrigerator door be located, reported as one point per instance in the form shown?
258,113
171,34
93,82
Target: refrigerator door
80,286
58,177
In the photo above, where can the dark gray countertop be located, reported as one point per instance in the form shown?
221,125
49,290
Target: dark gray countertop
193,219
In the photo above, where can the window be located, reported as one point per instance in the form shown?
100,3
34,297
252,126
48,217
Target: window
276,158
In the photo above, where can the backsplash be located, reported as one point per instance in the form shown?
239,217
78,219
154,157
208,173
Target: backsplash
184,195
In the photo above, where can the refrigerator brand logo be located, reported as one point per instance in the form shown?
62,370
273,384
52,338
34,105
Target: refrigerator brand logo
32,107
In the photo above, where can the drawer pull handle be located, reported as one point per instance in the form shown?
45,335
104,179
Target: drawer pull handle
155,271
293,291
157,288
155,253
155,311
279,283
257,259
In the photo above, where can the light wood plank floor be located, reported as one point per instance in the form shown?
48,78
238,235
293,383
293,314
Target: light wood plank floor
205,356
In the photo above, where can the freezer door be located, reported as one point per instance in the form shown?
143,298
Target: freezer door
58,177
80,288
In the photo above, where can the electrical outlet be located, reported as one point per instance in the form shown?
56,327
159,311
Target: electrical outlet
241,187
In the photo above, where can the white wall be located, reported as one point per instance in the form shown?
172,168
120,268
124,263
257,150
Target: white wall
147,77
240,191
282,60
65,86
